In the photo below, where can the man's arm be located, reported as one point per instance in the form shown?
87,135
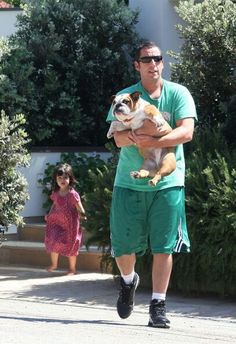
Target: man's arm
124,138
144,137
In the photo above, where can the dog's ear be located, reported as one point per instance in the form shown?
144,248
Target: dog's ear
112,98
135,96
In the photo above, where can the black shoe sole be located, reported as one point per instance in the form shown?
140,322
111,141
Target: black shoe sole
165,325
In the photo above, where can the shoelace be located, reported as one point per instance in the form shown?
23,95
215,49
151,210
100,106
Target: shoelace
158,308
125,292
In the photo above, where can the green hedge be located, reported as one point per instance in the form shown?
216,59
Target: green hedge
13,155
63,64
211,215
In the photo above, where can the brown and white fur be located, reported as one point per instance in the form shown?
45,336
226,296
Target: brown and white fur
130,112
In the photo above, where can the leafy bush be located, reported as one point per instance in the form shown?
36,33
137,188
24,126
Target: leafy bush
206,63
211,215
15,3
63,64
98,204
13,154
230,124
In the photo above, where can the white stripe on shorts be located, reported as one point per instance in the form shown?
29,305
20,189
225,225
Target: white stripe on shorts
180,242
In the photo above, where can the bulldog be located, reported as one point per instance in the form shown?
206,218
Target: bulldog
130,111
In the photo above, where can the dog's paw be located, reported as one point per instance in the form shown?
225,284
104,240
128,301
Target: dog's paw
135,174
140,174
159,121
152,182
110,135
155,180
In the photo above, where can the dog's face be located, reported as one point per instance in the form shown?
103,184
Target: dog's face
124,106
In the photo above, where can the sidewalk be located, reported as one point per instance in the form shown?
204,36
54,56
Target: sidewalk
41,308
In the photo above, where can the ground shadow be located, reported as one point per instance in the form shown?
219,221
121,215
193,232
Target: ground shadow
93,290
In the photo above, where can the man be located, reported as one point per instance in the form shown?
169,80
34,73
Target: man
144,216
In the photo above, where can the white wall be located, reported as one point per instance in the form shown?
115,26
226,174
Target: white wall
7,22
157,20
34,206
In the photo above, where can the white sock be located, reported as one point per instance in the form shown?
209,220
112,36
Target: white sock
128,279
158,296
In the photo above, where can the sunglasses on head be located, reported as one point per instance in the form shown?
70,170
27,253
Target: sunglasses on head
148,59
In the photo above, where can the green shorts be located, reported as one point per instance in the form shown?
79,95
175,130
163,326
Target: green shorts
141,220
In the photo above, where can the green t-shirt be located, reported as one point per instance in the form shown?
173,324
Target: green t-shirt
177,101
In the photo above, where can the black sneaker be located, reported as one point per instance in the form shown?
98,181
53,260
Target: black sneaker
125,302
157,312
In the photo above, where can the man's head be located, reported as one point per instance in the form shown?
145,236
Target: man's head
145,45
148,61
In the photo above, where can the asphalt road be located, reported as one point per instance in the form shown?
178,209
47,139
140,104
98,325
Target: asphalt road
41,308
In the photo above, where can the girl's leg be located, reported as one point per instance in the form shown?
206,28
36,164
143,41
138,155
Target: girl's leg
54,262
72,265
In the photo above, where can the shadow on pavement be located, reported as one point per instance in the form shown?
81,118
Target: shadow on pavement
99,290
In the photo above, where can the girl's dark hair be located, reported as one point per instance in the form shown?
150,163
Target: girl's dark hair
145,44
59,171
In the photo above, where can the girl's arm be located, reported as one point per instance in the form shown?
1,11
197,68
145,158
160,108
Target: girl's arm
46,216
81,211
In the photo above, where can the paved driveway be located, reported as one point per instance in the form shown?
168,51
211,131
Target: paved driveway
41,308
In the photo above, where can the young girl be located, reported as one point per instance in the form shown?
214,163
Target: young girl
63,231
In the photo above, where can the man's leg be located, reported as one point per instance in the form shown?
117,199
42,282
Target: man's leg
128,235
168,233
129,282
126,263
161,271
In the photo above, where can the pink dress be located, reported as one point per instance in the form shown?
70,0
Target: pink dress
63,231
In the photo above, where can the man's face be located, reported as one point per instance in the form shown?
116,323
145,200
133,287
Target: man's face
149,69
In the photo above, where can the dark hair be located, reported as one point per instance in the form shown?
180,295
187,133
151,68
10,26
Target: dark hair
59,171
144,45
